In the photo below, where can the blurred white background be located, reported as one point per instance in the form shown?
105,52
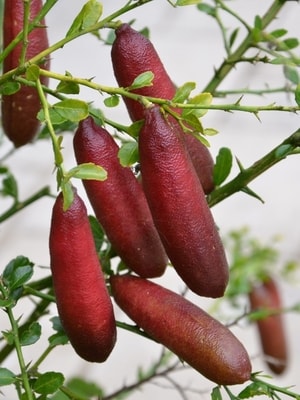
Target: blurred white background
190,45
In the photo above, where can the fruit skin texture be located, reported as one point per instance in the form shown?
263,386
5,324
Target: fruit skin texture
188,331
119,202
132,54
271,329
179,207
83,302
19,110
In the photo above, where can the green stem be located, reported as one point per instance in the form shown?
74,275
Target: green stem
37,313
37,293
280,152
123,92
258,92
275,388
25,31
20,205
229,63
18,348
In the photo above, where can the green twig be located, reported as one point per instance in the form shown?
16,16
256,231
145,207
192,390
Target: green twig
20,205
18,348
229,63
247,175
39,310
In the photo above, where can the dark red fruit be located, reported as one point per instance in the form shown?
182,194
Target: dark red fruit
83,302
271,329
179,207
19,110
132,54
119,202
188,331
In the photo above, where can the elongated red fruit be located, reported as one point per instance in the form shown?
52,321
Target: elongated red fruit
83,302
119,202
188,331
179,207
20,109
271,329
132,54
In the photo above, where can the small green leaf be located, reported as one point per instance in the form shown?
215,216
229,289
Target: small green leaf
187,2
10,186
282,60
258,22
278,33
112,101
128,154
68,87
210,132
98,232
9,88
287,44
17,272
48,383
31,335
88,171
7,377
216,393
58,339
33,73
291,74
233,37
202,99
55,117
297,95
87,17
72,110
183,92
222,166
193,123
207,9
134,128
84,389
253,390
68,194
142,80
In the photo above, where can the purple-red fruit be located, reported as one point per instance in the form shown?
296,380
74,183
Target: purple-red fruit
19,110
119,202
271,329
188,331
132,54
83,301
179,207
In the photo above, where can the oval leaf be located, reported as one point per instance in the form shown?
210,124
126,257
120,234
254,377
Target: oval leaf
31,335
72,110
222,166
9,88
88,16
88,171
142,80
128,154
202,99
17,272
48,383
112,101
7,377
183,92
33,73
